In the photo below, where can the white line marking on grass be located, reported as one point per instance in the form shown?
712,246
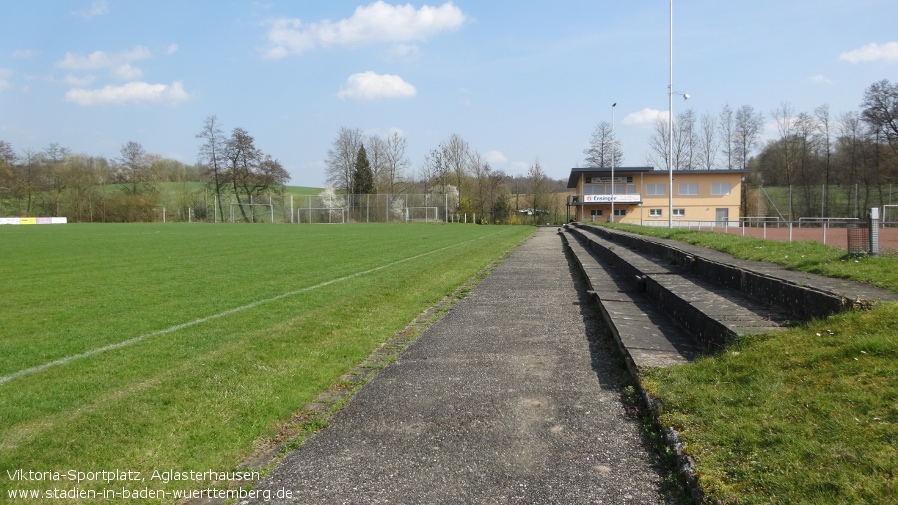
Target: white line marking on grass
171,329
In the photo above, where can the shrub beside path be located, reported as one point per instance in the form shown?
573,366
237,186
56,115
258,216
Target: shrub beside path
514,396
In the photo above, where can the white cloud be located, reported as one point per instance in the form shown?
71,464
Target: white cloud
374,23
494,157
822,79
25,53
872,52
126,72
78,82
170,94
645,116
118,64
519,167
171,49
97,8
5,74
372,86
404,52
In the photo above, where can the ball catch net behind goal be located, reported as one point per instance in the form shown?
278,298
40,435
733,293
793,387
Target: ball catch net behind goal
321,215
252,212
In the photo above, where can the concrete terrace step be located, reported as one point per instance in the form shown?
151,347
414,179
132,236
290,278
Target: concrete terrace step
802,295
711,315
646,336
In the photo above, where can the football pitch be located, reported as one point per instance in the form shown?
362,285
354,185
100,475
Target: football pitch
148,348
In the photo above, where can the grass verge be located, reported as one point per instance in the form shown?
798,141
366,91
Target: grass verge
809,415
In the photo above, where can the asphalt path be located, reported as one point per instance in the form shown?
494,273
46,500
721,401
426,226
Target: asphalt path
514,396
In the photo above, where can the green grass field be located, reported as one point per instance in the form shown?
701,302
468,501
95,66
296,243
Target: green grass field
143,347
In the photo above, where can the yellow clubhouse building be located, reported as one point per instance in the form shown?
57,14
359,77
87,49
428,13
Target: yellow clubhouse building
641,196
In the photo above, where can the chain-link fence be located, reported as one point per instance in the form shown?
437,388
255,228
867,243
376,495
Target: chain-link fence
794,203
324,208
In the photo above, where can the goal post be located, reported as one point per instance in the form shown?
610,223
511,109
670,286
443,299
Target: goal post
321,215
889,215
421,214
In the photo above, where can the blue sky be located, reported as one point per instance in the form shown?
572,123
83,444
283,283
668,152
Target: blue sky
520,81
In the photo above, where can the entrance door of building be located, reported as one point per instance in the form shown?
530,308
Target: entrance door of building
722,216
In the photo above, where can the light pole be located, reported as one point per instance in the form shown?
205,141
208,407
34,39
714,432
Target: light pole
612,160
670,119
670,129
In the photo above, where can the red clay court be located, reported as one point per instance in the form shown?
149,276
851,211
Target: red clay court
834,236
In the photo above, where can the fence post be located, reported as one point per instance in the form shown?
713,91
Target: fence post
874,231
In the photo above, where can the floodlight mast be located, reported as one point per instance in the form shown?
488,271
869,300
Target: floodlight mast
670,119
612,160
670,129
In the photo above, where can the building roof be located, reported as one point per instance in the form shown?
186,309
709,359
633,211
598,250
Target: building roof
600,171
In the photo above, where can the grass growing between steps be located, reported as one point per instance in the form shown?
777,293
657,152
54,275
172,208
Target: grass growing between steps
805,416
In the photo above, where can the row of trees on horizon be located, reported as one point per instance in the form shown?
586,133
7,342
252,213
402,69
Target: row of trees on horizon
853,151
367,164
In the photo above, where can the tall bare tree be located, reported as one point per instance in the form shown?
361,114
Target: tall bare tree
658,145
481,172
376,149
824,128
134,170
707,142
684,142
783,170
341,158
242,156
457,156
601,146
395,161
726,125
435,170
211,156
851,138
746,133
56,173
540,191
806,146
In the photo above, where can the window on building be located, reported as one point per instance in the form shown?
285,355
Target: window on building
655,189
655,213
720,188
595,213
679,212
687,189
620,212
